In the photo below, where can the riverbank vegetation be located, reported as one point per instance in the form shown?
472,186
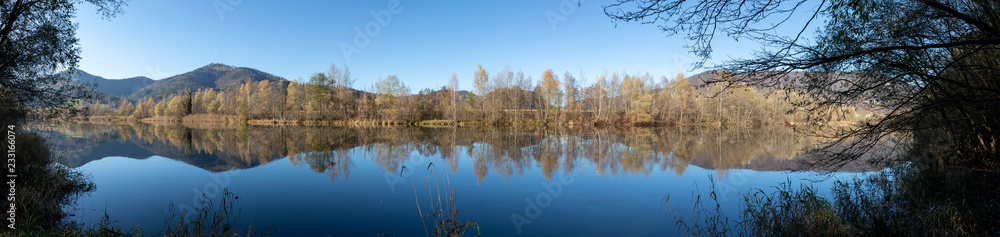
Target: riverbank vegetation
906,200
506,98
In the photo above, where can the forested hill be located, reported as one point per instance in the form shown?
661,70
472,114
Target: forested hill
217,76
119,87
796,79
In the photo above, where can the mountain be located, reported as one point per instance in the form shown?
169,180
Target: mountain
216,76
796,79
118,87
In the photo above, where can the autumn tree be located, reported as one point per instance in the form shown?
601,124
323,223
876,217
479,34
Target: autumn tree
390,99
145,109
637,99
572,92
269,100
522,96
197,102
453,98
367,108
161,108
425,103
209,101
294,99
550,94
684,96
341,95
502,100
318,88
125,109
226,102
597,99
614,99
243,100
176,106
137,110
481,79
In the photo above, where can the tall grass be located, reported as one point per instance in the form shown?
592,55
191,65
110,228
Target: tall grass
707,214
441,217
901,201
212,219
787,211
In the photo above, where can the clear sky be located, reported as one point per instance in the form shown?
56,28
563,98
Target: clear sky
423,43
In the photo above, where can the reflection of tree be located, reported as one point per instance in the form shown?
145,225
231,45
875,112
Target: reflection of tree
548,153
504,152
721,148
334,163
501,150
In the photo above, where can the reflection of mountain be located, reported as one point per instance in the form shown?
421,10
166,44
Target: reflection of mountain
80,144
503,152
112,148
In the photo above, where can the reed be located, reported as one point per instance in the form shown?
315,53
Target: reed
441,217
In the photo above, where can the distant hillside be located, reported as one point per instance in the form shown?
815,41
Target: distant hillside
217,76
118,87
791,79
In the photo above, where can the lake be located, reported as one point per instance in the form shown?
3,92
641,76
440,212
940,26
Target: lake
332,181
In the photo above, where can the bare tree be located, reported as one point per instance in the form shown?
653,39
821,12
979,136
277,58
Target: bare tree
453,100
924,66
481,80
572,92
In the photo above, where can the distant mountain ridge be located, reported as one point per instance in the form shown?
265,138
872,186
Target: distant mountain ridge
118,87
796,79
216,76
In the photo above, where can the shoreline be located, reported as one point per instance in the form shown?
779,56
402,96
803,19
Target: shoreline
233,120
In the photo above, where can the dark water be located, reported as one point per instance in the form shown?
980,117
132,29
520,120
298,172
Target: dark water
326,181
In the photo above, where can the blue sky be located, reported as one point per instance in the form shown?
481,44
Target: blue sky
424,43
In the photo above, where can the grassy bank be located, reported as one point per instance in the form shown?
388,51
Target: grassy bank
903,201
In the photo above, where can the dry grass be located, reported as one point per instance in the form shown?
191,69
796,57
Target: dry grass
211,118
161,120
902,201
441,217
212,219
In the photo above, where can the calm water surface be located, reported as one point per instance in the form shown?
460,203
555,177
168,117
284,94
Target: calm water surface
327,181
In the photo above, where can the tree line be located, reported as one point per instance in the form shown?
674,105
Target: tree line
505,152
504,98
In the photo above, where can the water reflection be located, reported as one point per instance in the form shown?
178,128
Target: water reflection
503,152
